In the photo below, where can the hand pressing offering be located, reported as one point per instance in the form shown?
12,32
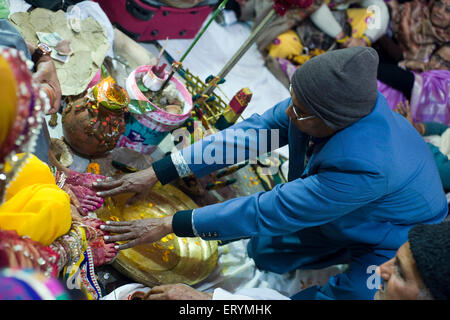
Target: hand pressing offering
139,182
137,232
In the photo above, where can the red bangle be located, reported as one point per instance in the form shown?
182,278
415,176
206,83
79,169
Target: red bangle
50,94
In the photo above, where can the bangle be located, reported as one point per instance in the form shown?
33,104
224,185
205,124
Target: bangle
50,94
342,40
366,39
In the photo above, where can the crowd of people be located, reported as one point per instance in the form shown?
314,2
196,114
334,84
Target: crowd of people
366,125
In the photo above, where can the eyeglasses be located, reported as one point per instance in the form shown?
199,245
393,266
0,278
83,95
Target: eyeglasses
294,107
299,118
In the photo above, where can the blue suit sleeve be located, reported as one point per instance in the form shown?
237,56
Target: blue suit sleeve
246,140
292,206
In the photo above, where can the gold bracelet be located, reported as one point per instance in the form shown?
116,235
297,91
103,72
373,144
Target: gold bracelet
366,39
342,40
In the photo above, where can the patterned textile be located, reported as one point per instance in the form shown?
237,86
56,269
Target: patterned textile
413,29
79,271
429,98
27,284
24,253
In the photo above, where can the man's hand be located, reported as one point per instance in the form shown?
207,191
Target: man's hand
137,232
139,182
46,76
176,292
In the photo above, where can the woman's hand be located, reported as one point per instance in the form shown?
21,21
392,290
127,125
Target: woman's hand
140,182
46,76
137,232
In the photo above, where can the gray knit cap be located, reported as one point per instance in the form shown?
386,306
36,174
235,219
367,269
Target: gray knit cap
339,86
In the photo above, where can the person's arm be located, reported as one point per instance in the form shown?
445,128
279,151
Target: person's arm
45,73
223,149
47,77
243,141
292,206
343,185
225,145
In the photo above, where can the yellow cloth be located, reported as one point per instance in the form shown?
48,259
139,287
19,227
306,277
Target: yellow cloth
287,45
358,20
8,99
301,59
35,206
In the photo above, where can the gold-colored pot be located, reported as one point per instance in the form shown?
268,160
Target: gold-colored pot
169,260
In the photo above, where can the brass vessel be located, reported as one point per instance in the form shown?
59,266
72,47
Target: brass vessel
169,260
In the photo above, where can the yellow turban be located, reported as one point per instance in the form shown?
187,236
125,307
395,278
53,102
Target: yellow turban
35,206
8,99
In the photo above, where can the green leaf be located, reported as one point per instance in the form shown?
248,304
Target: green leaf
104,72
141,86
111,106
140,107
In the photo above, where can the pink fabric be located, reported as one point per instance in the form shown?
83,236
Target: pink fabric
161,119
429,99
96,79
287,66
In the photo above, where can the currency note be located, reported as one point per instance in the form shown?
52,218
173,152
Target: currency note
56,56
50,39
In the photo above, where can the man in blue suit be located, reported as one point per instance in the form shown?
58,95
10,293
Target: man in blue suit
360,176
